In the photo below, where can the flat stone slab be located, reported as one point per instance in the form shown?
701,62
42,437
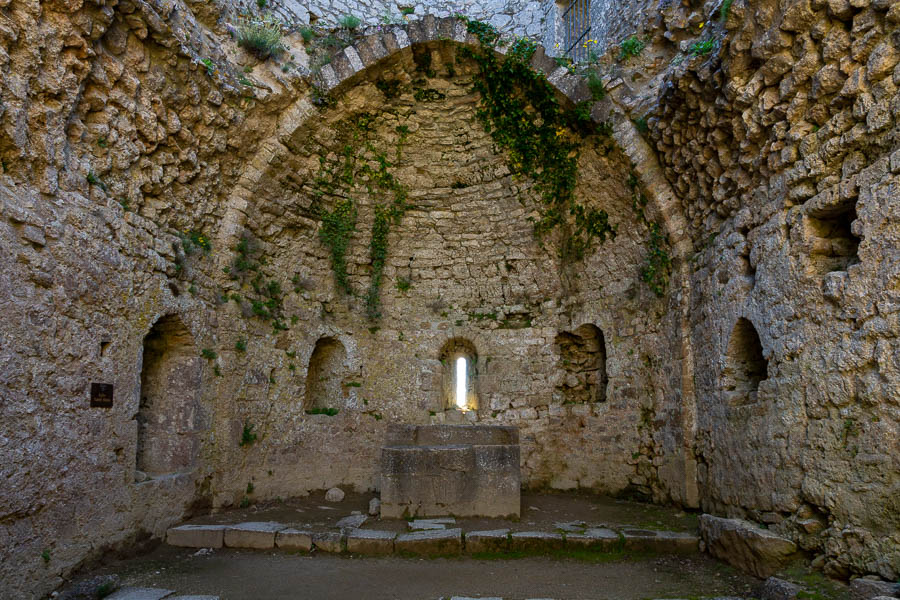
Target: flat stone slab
294,539
370,541
535,541
329,542
495,540
352,522
140,593
571,527
196,536
430,543
648,540
259,535
429,524
598,538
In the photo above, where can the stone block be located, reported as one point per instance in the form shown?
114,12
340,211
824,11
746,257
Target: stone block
594,539
329,542
368,541
646,540
430,543
495,540
352,522
140,593
257,535
868,589
293,539
196,536
535,541
744,545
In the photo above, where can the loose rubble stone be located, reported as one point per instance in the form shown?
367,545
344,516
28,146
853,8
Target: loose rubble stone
334,495
744,545
374,507
351,522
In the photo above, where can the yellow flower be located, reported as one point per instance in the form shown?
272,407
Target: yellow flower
701,25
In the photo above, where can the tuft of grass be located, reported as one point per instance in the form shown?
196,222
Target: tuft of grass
407,10
241,345
403,283
250,487
307,33
724,10
350,22
641,125
322,411
260,36
595,85
245,502
247,435
701,48
45,555
208,354
631,46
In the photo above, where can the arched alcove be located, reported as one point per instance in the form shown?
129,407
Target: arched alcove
459,362
582,357
168,415
745,365
324,377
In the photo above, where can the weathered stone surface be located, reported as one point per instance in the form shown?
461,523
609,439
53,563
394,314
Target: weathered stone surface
430,543
535,541
374,507
141,593
369,541
252,535
196,536
660,541
89,589
335,494
329,542
778,589
594,538
495,540
294,539
351,522
744,545
867,589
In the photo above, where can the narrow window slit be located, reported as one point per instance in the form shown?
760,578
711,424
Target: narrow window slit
461,382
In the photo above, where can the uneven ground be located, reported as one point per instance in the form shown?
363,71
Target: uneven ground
249,575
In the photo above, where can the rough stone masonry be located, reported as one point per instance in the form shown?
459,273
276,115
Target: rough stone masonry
163,195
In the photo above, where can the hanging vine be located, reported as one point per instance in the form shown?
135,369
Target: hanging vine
519,109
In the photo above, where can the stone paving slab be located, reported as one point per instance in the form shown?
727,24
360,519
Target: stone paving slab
294,539
430,543
372,542
140,593
525,541
329,542
495,540
196,536
594,539
258,535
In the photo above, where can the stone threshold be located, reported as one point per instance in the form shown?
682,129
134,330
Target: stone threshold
440,542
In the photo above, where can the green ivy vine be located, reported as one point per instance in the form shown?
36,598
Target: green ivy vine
519,109
656,267
359,163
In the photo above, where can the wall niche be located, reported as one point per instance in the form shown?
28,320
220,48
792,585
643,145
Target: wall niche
169,416
582,358
833,246
745,365
325,375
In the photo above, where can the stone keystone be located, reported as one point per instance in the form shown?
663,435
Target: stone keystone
252,535
196,536
368,541
744,545
430,543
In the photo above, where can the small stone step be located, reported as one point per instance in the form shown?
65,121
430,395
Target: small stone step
329,542
495,540
594,539
140,593
258,535
535,541
369,541
196,536
647,540
430,543
294,539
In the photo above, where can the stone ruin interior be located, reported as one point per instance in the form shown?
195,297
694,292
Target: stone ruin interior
637,249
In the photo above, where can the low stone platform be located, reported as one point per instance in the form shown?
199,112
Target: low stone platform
464,470
430,542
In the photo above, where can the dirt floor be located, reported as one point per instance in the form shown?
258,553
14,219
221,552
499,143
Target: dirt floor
539,512
258,575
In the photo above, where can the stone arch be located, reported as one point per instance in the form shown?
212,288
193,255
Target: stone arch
745,364
325,374
169,413
454,350
582,355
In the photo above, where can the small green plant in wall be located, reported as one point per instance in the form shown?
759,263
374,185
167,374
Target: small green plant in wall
322,411
631,46
655,271
247,435
241,345
208,354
